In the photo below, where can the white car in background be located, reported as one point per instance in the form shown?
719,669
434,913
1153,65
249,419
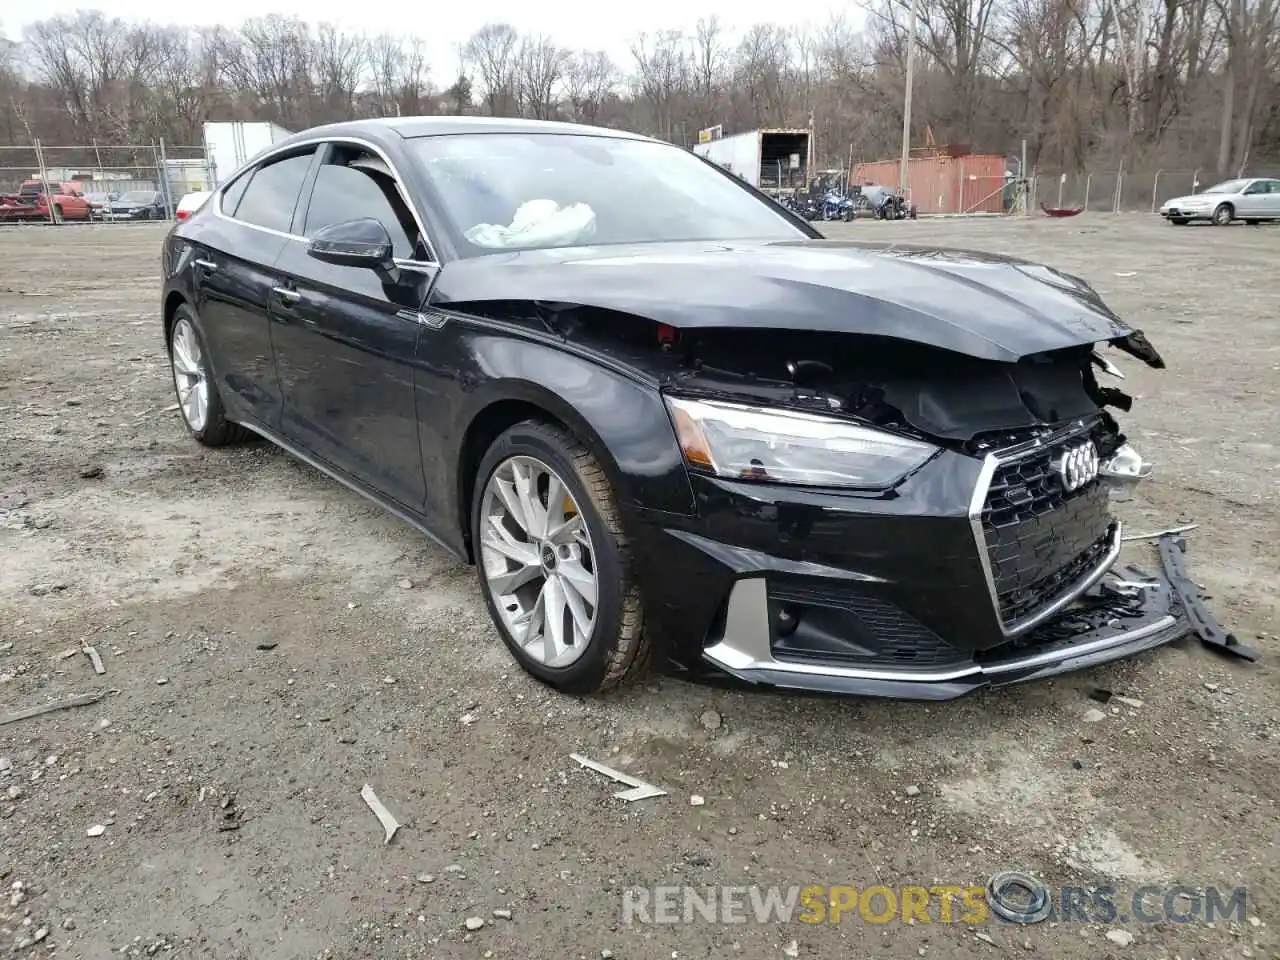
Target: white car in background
1252,199
190,204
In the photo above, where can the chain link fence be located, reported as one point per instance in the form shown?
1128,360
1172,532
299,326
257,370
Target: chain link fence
98,183
1115,191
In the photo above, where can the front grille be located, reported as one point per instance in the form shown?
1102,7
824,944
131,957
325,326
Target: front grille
1041,539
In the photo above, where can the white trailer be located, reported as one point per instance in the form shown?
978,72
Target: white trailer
229,144
775,161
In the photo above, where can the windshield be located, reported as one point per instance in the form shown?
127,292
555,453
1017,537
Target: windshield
540,191
1229,186
139,196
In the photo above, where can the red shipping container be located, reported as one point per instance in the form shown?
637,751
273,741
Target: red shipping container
970,184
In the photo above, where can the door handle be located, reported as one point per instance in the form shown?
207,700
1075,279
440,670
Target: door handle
206,264
287,295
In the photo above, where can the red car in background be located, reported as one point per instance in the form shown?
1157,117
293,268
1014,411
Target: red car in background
56,202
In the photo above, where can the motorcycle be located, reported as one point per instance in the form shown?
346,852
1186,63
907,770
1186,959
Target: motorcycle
837,206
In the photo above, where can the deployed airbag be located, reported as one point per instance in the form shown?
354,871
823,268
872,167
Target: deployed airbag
537,223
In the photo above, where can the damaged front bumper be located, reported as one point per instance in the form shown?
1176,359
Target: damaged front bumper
1126,612
972,573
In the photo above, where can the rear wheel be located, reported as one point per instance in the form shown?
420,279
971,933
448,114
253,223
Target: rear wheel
198,398
1223,215
554,562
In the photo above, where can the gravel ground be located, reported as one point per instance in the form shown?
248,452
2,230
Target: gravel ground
181,566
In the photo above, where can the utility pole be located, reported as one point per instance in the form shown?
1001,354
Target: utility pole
906,104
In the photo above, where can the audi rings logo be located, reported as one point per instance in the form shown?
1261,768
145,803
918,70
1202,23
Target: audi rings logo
1077,465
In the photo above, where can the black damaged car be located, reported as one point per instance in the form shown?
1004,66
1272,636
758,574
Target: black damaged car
665,419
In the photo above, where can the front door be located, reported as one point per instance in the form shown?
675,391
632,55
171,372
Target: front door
344,337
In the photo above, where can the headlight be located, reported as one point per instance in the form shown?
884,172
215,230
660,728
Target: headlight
752,444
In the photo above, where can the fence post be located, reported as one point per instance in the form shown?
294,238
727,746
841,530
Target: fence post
1115,200
1155,190
166,189
962,209
44,178
1088,182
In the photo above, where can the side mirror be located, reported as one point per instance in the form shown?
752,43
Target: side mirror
353,243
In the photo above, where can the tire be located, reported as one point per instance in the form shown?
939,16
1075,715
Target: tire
214,430
616,650
1223,215
1178,221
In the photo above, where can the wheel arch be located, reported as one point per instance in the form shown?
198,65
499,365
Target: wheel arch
506,404
172,301
621,421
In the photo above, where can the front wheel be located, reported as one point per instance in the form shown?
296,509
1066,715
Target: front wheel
554,562
1223,215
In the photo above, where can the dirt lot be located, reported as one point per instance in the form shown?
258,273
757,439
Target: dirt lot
179,564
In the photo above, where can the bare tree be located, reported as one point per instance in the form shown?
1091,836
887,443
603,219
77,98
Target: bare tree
1165,84
541,70
338,64
663,76
590,79
494,50
271,64
765,71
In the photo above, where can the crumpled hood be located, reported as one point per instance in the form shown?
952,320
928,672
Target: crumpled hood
981,305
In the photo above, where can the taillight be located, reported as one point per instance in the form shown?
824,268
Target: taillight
182,214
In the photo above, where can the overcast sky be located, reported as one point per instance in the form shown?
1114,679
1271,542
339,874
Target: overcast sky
572,23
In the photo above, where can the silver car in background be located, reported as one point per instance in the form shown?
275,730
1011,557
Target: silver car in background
1251,199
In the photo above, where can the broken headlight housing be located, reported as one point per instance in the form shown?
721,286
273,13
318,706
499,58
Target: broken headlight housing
749,443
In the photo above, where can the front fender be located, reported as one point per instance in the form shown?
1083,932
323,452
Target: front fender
619,417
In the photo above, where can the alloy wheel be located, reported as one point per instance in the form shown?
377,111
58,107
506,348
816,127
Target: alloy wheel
189,375
538,561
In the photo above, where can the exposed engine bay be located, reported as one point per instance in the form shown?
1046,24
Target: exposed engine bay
956,401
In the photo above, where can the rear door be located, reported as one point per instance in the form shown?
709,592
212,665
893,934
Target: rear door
235,274
1272,209
344,337
1253,201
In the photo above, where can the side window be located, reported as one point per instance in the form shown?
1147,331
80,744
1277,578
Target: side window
1258,186
269,198
1275,187
234,191
355,184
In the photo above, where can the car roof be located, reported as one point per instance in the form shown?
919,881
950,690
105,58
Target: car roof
413,127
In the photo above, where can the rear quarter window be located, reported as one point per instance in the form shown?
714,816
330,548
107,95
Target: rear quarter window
271,195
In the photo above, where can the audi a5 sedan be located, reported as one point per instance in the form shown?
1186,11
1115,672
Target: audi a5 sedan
666,420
